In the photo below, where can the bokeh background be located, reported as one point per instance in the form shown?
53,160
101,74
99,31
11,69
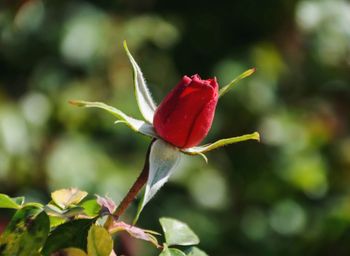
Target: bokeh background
289,194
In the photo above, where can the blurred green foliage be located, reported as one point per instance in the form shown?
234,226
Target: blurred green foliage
289,194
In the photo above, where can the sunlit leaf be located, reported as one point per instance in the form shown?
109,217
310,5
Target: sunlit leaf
162,162
91,208
245,74
18,200
177,232
26,232
100,242
135,124
143,96
70,234
66,197
171,252
220,143
7,202
195,251
138,233
56,221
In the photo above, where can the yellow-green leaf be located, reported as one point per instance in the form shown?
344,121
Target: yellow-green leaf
100,242
66,197
7,202
178,233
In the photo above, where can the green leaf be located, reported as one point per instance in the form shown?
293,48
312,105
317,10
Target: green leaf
171,252
177,232
71,252
70,234
162,163
18,200
143,96
135,124
26,232
245,74
67,197
100,242
138,233
56,221
10,203
220,143
91,208
195,251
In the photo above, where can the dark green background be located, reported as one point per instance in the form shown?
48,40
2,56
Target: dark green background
288,195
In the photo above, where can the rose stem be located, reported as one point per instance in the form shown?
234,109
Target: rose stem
133,191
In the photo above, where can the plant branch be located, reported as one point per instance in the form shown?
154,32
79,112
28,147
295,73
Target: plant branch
133,191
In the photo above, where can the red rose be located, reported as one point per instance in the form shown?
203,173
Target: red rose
185,115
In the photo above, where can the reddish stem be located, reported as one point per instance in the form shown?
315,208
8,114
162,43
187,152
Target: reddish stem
133,191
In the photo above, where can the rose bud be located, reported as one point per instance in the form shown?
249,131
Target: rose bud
185,115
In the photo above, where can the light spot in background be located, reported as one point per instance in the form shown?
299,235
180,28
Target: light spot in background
161,32
307,172
258,92
30,15
283,129
116,180
340,207
84,38
72,163
226,70
344,150
287,218
4,165
75,161
261,94
273,132
36,108
308,15
13,131
269,62
299,163
49,77
254,224
209,189
327,24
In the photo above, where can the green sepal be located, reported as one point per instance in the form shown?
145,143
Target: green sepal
200,150
135,124
227,87
143,96
163,160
